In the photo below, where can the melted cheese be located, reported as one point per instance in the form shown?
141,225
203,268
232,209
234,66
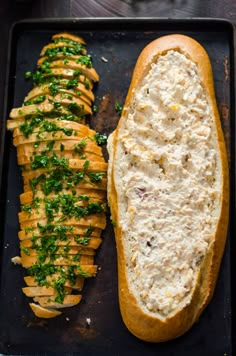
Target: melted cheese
169,181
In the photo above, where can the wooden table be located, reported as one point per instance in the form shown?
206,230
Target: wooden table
13,10
84,8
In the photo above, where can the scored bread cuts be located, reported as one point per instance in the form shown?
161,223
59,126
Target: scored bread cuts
168,190
63,205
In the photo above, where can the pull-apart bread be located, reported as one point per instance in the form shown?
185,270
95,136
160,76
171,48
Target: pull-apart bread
64,173
168,190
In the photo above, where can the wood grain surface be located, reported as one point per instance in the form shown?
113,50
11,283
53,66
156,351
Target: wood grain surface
170,8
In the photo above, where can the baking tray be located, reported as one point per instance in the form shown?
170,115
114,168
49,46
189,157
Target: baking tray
114,45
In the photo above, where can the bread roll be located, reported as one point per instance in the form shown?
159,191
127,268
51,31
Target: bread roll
168,190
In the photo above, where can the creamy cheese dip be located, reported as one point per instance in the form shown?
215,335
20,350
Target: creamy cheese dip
166,178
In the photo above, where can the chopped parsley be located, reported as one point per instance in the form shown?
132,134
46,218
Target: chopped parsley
43,161
77,73
95,109
71,84
28,75
80,147
45,66
26,208
60,231
38,77
100,138
49,126
118,108
62,177
36,144
85,60
75,108
38,100
67,204
57,105
86,84
49,145
25,250
59,287
27,128
65,50
82,272
82,240
54,88
95,177
88,231
70,42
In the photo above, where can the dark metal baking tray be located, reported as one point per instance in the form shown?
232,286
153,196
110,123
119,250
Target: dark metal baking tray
119,41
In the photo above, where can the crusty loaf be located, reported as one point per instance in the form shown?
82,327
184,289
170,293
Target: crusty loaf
168,190
63,205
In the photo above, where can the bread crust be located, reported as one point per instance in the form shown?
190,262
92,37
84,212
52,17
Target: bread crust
141,324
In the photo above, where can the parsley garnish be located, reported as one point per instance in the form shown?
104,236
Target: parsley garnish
85,60
25,250
118,108
95,177
71,84
28,75
100,138
80,147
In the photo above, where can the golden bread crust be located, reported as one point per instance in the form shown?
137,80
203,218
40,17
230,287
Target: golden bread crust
141,324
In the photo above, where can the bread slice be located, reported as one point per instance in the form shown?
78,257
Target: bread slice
87,71
168,190
49,136
34,109
45,313
69,36
73,163
84,145
101,185
26,159
78,283
76,230
97,220
27,261
60,44
56,125
70,251
40,291
69,301
68,73
46,90
26,198
91,242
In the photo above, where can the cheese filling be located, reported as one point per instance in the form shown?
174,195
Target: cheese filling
169,183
